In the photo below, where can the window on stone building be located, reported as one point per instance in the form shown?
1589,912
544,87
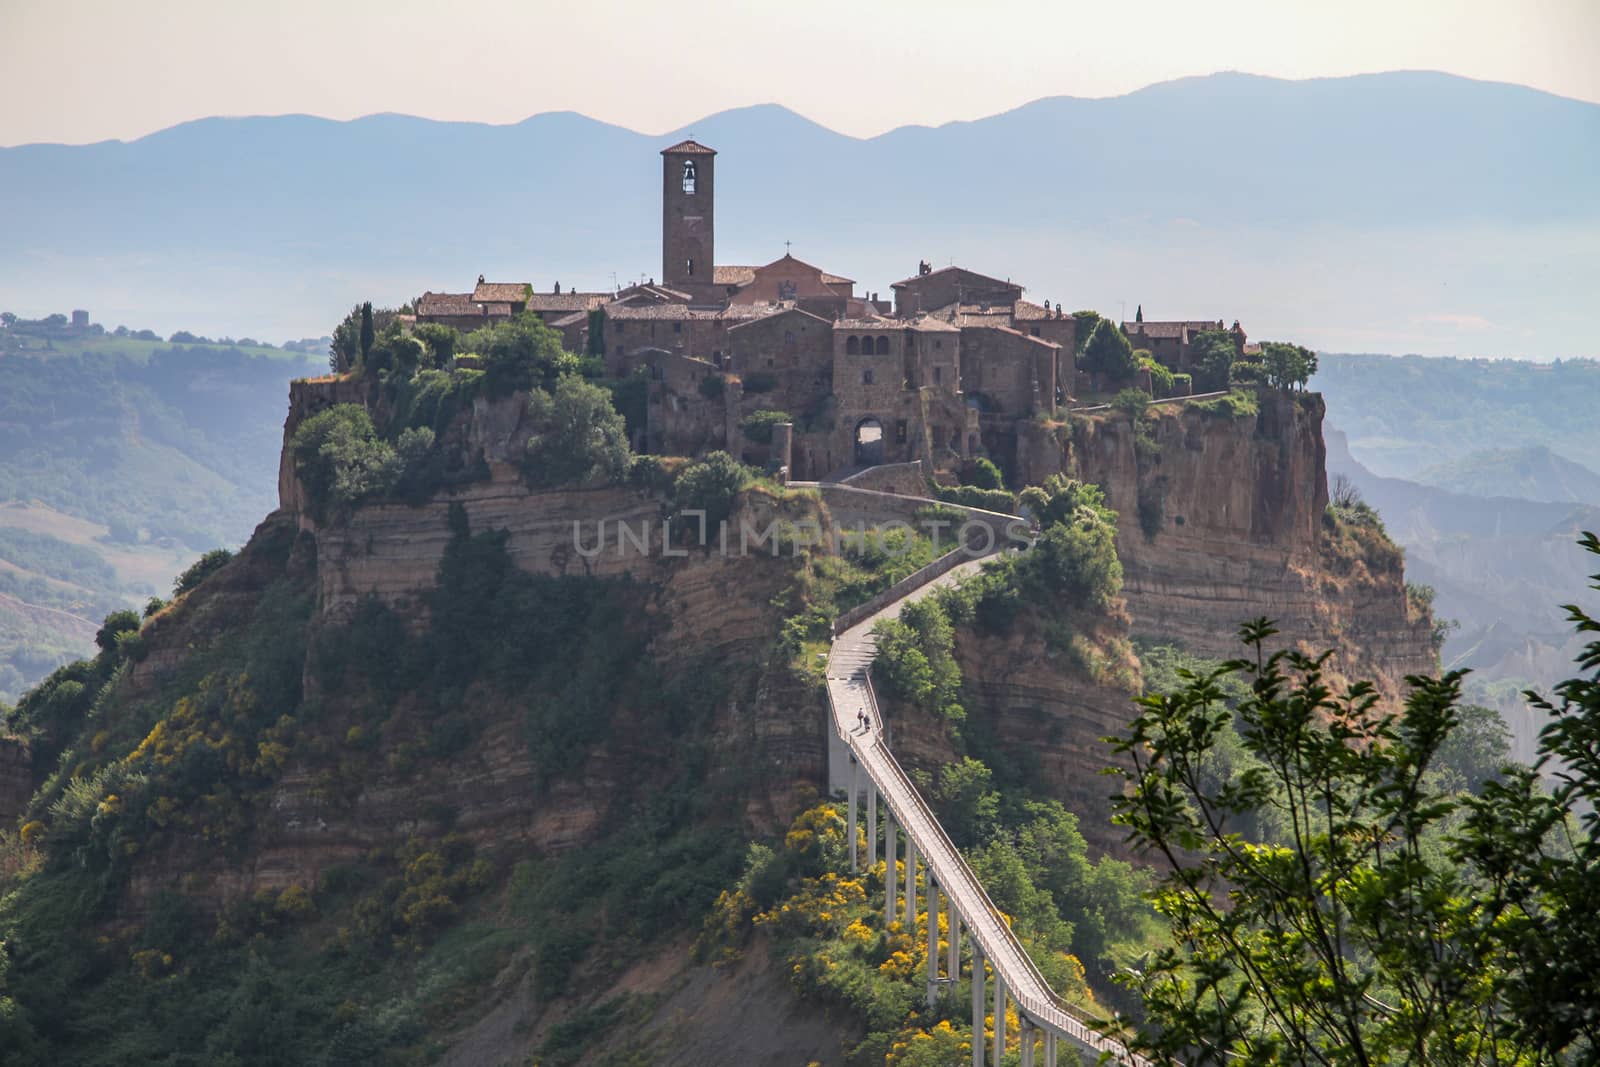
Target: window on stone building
677,327
900,432
937,344
688,266
688,176
1035,331
620,325
788,337
883,346
938,376
852,345
866,376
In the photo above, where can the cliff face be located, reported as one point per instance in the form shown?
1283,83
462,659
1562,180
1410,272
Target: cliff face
1223,521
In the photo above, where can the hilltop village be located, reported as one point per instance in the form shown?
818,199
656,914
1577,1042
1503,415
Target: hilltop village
940,373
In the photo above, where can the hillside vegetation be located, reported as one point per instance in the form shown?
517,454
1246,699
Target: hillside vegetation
121,460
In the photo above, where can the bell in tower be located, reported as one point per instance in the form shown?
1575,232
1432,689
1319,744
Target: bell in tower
688,176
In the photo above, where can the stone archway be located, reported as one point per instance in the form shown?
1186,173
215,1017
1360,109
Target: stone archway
869,442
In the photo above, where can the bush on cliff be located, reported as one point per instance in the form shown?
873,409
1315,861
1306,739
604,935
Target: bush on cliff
200,570
521,354
340,458
758,424
710,485
578,436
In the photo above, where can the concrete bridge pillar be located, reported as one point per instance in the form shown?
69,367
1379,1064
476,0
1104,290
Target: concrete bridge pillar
911,886
933,940
1027,1038
977,1004
872,824
889,873
999,1018
850,820
1049,1048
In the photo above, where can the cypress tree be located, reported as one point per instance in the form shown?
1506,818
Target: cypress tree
366,329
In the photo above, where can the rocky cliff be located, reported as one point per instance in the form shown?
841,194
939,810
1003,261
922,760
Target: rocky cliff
1224,518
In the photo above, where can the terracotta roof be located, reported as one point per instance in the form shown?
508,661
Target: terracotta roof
785,310
684,313
1008,330
947,270
834,279
1171,329
690,148
1028,311
869,324
659,291
569,320
732,275
508,292
454,304
566,301
929,324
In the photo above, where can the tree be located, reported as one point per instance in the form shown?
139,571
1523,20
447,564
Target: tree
1083,324
522,354
1138,315
200,570
346,343
578,436
710,485
1395,916
367,332
1108,354
341,459
1131,402
1287,366
1213,353
985,475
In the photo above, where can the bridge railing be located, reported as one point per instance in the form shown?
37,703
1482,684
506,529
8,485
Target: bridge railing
1069,1019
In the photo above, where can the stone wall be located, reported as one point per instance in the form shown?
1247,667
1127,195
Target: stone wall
1005,366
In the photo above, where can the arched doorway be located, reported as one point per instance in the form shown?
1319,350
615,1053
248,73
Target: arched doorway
869,442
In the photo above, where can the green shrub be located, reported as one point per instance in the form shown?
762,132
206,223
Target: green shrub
578,436
340,458
1239,404
760,382
520,355
1131,402
712,386
971,496
983,474
710,485
758,424
199,571
1107,354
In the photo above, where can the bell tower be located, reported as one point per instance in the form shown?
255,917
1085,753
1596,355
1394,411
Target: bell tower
688,171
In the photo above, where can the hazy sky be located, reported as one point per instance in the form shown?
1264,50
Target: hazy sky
87,70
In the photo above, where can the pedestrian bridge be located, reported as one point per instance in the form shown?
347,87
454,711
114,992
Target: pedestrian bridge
860,762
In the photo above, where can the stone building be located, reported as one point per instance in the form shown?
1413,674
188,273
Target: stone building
942,373
1171,343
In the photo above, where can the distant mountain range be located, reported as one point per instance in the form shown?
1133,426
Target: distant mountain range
1401,211
1532,473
